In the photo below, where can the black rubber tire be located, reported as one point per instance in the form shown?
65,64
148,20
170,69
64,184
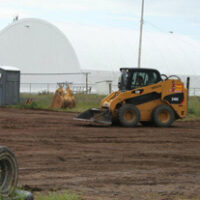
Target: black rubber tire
9,172
132,109
168,111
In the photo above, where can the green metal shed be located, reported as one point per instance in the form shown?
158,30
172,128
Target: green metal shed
9,85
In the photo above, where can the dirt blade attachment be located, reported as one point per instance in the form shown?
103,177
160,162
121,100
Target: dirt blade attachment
95,115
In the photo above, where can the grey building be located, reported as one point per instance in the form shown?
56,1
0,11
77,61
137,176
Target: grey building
9,85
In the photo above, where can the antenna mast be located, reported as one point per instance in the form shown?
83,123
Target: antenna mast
141,30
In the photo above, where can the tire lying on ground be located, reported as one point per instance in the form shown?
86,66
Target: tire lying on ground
8,172
163,116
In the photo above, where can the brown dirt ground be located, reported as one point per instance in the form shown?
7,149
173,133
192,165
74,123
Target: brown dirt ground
55,152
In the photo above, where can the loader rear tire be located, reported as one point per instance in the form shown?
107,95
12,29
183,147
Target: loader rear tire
129,115
163,116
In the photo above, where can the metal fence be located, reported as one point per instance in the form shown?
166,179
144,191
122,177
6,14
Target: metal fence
194,92
76,88
51,87
48,82
84,82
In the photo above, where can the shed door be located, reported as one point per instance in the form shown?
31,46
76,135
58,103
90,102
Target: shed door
12,88
1,88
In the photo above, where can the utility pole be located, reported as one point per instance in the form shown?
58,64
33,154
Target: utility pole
141,30
86,82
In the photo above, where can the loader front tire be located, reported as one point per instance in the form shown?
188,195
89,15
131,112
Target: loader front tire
129,115
163,116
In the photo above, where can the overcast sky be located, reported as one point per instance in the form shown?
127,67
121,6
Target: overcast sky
105,33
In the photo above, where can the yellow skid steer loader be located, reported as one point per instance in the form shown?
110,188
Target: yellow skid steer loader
144,96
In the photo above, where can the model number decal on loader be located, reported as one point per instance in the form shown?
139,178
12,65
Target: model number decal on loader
175,98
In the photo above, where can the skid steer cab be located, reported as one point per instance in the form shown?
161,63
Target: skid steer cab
144,96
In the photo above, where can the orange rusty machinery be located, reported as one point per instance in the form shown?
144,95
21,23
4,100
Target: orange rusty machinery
63,98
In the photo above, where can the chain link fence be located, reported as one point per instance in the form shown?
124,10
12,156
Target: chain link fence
51,88
48,82
76,88
85,82
194,92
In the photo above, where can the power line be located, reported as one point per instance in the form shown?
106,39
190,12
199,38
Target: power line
158,28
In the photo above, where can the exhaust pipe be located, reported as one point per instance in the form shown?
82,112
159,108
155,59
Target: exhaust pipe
188,92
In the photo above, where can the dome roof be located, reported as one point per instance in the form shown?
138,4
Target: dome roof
34,45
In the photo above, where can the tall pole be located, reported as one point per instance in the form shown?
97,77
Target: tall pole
141,30
86,82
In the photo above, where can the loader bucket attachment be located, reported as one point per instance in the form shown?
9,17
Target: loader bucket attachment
95,115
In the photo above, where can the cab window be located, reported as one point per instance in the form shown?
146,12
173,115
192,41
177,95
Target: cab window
141,79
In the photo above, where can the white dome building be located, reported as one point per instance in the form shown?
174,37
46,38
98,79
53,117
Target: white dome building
35,46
